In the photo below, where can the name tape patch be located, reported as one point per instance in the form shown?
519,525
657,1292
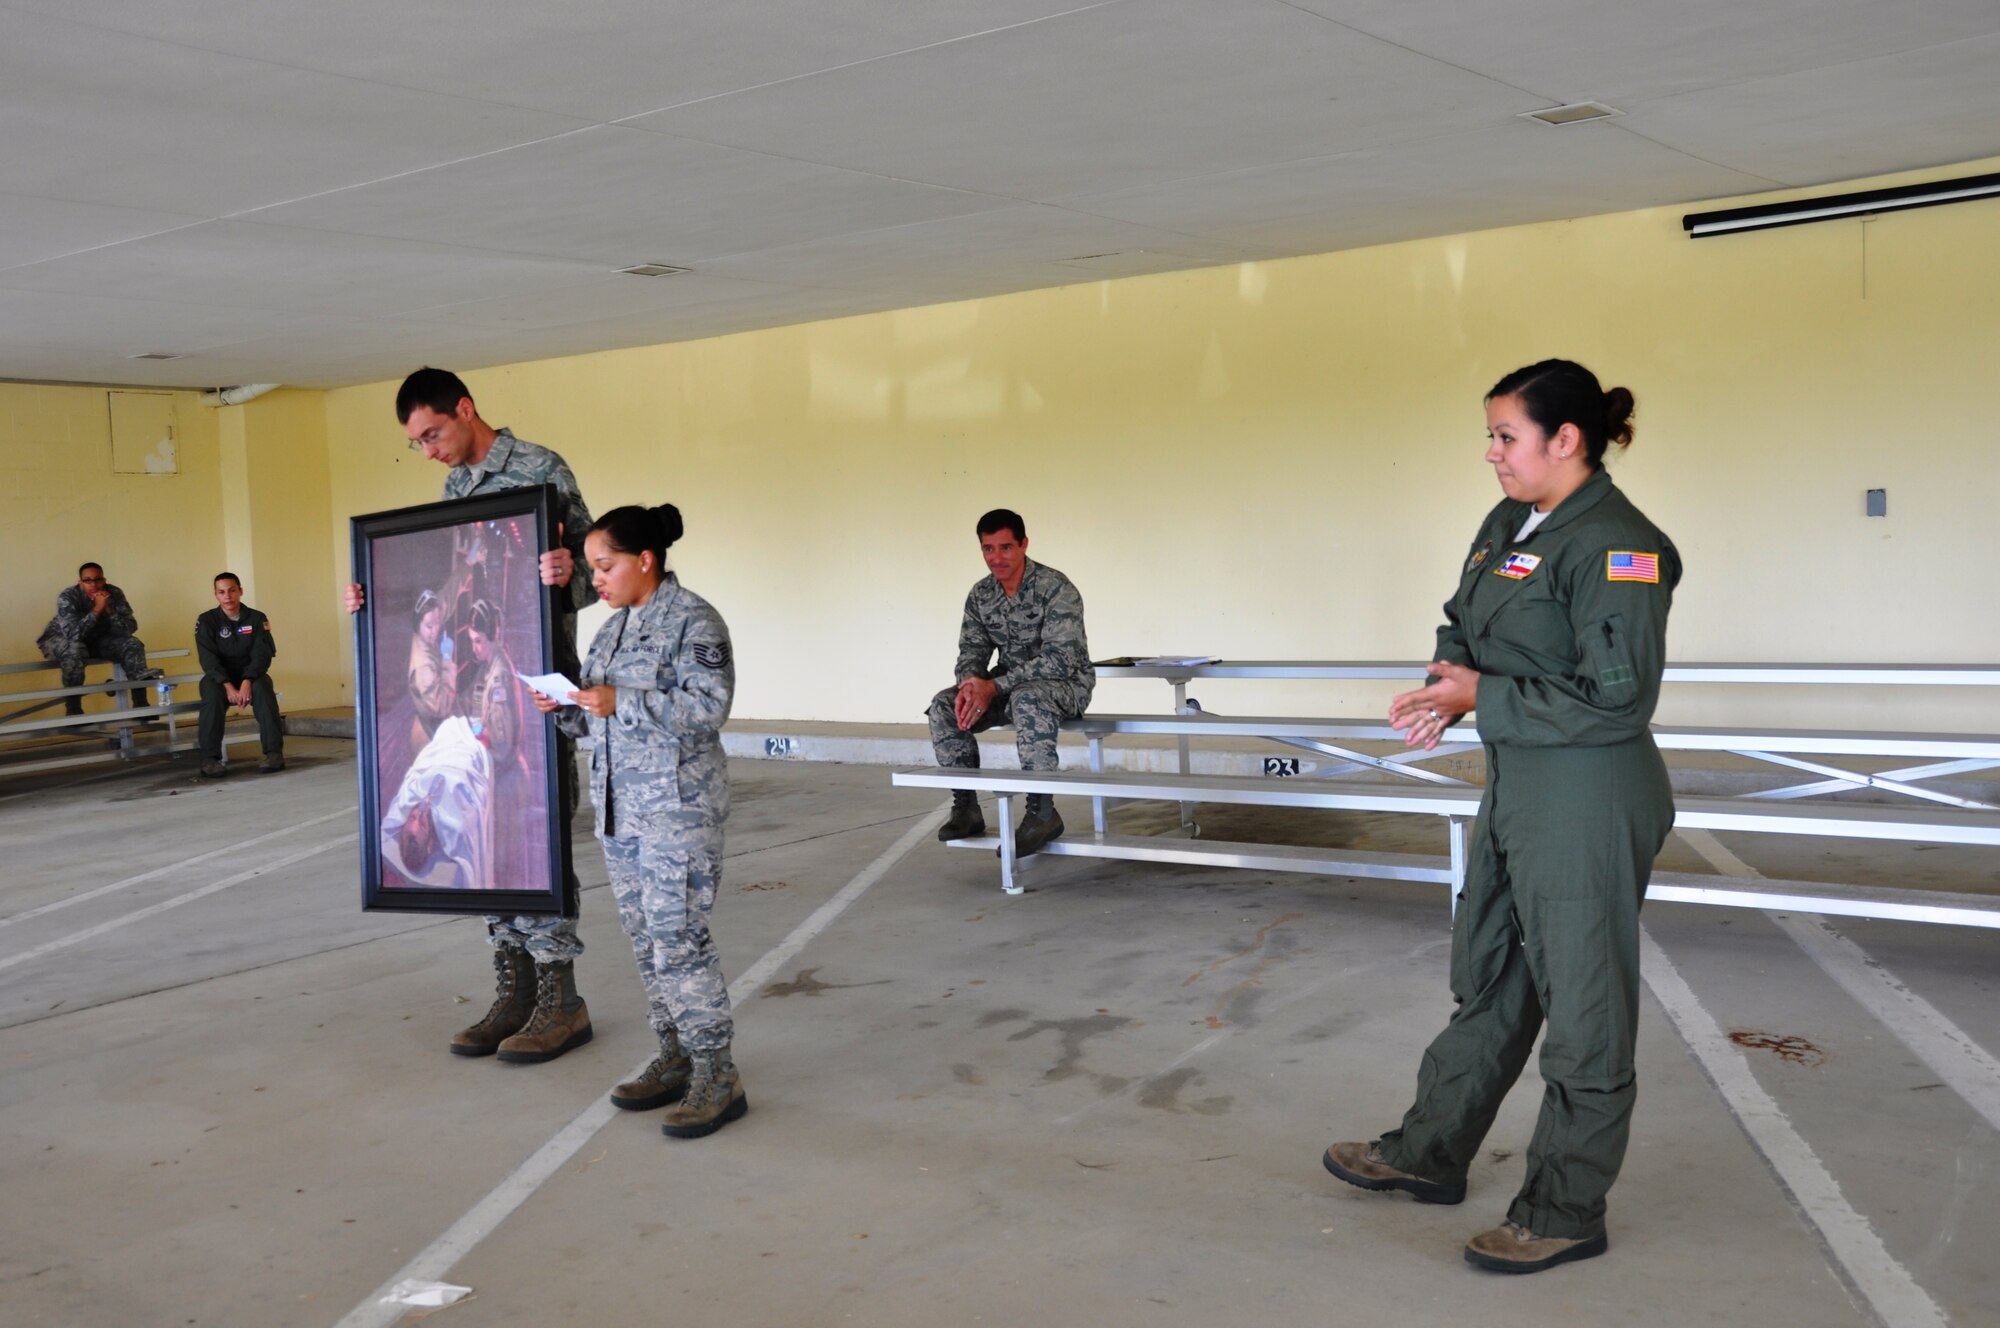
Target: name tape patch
1518,565
1620,565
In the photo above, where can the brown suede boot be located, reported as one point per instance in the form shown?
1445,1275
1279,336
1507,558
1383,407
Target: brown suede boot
714,1097
660,1083
512,1003
1512,1248
560,1020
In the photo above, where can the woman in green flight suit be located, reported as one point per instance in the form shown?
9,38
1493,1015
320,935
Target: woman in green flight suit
1557,637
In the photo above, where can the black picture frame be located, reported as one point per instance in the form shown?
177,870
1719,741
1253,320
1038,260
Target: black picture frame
461,806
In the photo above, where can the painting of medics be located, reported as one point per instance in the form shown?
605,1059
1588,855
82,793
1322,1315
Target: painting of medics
460,806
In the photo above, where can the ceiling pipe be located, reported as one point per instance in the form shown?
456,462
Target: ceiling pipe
236,396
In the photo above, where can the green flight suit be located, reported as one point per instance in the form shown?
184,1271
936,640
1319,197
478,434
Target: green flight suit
233,650
1568,630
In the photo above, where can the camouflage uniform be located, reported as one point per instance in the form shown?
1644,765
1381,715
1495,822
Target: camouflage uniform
75,635
661,784
513,463
1044,673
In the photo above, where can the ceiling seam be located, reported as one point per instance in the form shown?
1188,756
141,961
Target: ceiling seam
1623,125
108,244
869,60
1411,50
287,68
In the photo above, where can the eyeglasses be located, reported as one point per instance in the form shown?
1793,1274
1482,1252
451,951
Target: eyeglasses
428,438
90,580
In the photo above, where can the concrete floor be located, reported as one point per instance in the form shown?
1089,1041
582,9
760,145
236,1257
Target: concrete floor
225,1097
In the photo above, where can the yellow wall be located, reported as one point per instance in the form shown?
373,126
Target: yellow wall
1282,460
278,499
160,537
252,496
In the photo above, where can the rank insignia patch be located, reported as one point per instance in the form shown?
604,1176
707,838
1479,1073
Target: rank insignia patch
712,655
1623,566
1518,565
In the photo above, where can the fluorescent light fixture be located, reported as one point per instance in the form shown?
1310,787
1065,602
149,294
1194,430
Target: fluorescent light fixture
1577,112
157,355
652,270
1869,201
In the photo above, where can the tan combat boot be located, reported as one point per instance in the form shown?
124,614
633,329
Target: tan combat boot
512,1004
560,1020
1512,1248
664,1081
1362,1164
714,1097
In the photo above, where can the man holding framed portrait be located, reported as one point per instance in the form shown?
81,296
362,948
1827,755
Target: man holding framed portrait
536,1014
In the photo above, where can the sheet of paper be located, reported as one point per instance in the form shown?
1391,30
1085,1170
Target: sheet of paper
552,685
1175,661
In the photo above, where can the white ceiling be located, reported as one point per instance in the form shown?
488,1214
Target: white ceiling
329,193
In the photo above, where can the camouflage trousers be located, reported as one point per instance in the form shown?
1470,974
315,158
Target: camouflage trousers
1035,709
665,883
127,652
548,940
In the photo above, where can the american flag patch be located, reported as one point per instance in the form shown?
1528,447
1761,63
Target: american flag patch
1518,565
1620,566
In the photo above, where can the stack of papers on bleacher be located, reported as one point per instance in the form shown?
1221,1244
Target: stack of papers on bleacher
1176,661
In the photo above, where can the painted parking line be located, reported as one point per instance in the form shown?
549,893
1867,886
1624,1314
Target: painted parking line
436,1259
1953,1055
1856,1252
151,910
170,868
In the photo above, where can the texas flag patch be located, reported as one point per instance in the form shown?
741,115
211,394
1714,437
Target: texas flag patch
1518,565
1622,566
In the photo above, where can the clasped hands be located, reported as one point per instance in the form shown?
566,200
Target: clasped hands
1422,716
974,697
238,693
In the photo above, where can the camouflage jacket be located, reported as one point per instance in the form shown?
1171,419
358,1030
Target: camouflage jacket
74,620
657,760
515,463
1039,632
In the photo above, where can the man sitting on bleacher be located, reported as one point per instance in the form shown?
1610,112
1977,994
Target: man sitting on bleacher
94,619
1033,616
235,645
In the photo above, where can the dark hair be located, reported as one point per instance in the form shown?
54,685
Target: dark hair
635,529
426,601
433,389
483,620
220,577
1559,392
87,566
1000,519
409,839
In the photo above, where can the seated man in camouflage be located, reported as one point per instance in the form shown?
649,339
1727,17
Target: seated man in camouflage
93,618
1033,616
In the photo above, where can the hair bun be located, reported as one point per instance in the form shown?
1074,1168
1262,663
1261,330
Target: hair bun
1618,416
667,519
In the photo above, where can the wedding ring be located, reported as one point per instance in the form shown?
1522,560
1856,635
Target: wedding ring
1435,715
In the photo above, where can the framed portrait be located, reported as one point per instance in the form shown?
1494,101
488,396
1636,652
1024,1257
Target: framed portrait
461,810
